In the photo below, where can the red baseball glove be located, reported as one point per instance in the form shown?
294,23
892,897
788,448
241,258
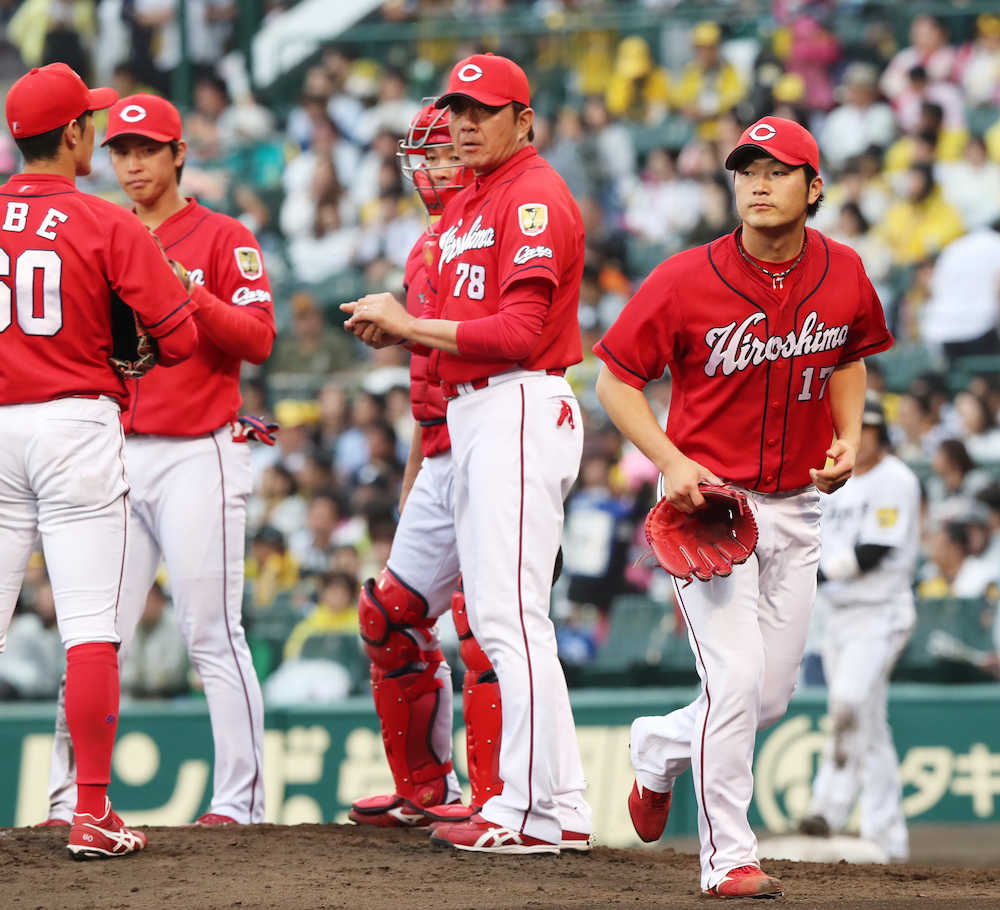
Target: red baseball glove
706,542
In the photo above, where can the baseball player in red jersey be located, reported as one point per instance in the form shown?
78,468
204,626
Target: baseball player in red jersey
411,681
509,269
63,254
187,460
764,331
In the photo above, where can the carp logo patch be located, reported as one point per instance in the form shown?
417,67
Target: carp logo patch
133,113
248,262
533,218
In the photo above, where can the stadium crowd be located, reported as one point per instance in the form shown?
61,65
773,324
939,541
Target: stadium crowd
906,112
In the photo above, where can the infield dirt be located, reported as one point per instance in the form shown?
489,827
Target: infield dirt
313,867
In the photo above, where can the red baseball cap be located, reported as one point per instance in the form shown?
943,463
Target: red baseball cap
787,141
51,96
144,115
489,79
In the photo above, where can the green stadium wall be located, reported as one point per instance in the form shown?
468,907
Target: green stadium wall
318,760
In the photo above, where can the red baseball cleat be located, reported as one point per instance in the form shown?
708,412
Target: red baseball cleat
213,819
103,838
575,842
448,813
481,836
747,881
54,823
649,811
389,810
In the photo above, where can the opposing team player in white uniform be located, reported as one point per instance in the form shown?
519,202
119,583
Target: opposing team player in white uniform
63,255
763,331
187,457
870,533
411,681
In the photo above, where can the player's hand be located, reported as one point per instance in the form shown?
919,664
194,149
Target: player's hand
680,483
838,468
383,311
181,272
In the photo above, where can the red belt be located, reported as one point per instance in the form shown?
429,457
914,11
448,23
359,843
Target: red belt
450,389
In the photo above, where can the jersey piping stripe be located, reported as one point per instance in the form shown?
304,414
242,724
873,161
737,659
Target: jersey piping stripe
229,633
704,726
121,571
39,195
524,631
165,318
188,233
767,379
858,354
788,391
604,347
513,275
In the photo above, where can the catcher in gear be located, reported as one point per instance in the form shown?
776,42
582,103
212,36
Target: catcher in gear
411,682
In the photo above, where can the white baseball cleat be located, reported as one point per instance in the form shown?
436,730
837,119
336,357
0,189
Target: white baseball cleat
481,836
103,838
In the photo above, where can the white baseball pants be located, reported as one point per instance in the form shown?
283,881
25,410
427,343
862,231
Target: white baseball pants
62,475
516,446
861,645
424,554
188,505
747,632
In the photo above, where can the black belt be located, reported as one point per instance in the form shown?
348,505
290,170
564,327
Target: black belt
435,422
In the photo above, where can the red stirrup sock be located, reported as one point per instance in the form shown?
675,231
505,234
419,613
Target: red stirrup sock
92,718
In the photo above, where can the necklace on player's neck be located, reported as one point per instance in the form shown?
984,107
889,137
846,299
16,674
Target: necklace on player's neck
777,278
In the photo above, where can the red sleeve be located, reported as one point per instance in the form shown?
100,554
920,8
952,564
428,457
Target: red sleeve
179,343
868,333
510,333
239,331
141,276
644,338
535,243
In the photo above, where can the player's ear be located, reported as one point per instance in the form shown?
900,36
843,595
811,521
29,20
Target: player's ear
815,189
180,153
525,121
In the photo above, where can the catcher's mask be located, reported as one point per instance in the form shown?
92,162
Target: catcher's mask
429,129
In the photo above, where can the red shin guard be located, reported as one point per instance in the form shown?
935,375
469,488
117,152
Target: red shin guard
92,718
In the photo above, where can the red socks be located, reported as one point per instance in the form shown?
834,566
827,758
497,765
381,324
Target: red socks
92,717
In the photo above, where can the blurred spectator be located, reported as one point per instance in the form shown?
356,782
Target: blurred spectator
861,121
596,536
951,572
46,31
989,497
717,215
156,662
812,55
312,546
303,359
920,90
34,660
276,502
972,184
297,419
335,612
915,431
979,429
928,48
962,314
208,24
270,570
955,482
391,113
638,88
329,247
977,67
854,230
662,206
709,85
923,222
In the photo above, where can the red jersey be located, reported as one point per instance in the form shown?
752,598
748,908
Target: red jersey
426,398
749,364
63,254
516,223
226,269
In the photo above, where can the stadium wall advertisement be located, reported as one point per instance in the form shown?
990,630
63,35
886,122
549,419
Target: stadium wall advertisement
318,760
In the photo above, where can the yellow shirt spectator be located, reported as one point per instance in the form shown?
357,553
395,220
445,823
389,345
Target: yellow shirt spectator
637,88
924,223
336,613
709,85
